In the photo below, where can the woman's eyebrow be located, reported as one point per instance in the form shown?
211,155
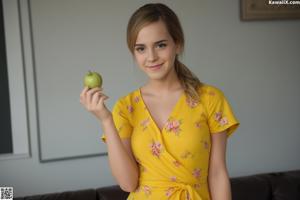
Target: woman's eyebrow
160,41
154,43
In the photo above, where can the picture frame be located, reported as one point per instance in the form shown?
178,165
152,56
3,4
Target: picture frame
269,10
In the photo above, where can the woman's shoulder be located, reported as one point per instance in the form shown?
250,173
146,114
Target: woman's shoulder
210,90
130,97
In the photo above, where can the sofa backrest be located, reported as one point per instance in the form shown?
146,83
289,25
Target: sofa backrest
89,194
255,187
268,186
111,192
285,186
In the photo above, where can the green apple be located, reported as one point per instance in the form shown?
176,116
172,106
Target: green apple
92,80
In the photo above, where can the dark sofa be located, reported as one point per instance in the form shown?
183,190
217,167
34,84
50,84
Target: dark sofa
267,186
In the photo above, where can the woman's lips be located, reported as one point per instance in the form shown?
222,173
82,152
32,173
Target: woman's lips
155,67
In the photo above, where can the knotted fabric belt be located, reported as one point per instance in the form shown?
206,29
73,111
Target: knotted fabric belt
172,189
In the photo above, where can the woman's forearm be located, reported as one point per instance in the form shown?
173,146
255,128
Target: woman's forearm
219,186
124,167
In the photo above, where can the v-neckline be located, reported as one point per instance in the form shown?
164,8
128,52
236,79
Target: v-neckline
169,115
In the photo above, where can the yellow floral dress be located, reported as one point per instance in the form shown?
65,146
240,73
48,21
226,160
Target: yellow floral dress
174,161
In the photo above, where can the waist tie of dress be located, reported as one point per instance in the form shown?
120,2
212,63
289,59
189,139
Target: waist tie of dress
172,189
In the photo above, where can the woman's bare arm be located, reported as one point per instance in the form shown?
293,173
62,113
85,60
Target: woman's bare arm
123,165
218,178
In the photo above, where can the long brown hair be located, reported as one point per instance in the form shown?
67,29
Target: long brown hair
154,12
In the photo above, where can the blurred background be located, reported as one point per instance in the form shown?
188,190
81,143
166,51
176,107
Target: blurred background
53,143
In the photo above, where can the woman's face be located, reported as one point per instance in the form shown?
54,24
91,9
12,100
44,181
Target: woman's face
155,51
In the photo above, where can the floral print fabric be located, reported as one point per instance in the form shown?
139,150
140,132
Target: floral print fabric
174,161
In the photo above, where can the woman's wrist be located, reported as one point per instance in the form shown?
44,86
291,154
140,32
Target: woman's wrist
107,120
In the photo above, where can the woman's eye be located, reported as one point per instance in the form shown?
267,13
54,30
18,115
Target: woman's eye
140,49
161,45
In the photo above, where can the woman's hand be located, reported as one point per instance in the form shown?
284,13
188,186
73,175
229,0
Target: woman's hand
93,101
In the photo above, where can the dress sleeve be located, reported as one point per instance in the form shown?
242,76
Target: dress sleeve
220,113
121,120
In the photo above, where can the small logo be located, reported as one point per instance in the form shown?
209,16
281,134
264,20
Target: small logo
284,2
6,193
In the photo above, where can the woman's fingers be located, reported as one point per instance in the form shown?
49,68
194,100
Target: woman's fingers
83,95
90,93
96,97
102,99
93,101
87,94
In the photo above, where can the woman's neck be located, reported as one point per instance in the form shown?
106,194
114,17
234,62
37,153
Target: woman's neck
163,87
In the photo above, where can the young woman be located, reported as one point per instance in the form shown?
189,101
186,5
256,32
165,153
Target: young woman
166,139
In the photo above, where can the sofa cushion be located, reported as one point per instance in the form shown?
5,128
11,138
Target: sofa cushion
89,194
111,192
251,187
285,185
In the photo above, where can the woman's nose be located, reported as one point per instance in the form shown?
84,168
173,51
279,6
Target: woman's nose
152,55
